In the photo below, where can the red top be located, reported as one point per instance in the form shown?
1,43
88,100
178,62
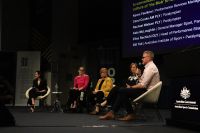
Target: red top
81,82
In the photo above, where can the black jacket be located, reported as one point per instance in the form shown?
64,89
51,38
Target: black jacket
41,86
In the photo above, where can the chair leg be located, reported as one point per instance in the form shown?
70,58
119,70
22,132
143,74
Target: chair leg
158,113
139,110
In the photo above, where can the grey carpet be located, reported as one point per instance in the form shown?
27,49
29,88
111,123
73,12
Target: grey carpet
48,119
46,122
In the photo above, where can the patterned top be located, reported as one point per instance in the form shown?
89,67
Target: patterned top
132,80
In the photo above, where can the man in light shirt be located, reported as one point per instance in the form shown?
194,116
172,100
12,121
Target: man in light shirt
149,78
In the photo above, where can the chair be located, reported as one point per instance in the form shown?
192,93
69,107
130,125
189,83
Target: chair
151,97
39,97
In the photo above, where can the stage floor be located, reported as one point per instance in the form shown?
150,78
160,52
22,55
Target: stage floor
43,121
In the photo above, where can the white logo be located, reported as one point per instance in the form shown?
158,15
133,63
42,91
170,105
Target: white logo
185,93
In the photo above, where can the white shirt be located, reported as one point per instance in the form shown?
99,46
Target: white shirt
150,76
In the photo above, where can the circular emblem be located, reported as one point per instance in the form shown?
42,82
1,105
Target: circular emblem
185,93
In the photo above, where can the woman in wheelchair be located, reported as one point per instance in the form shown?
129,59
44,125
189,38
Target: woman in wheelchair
39,88
80,85
102,89
133,79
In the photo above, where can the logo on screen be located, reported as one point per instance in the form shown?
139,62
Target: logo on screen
185,93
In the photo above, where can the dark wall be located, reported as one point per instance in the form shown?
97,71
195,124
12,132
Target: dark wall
183,63
16,25
64,43
41,16
99,20
100,32
0,23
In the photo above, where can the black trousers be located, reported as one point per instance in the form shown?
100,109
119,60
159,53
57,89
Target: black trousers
123,98
97,98
112,96
74,95
33,93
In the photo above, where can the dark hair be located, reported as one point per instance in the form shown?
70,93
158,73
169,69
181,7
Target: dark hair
133,64
39,73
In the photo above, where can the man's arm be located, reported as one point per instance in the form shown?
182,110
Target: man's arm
137,86
147,76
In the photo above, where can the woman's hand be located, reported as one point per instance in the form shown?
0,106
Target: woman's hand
80,88
41,91
95,91
128,86
75,88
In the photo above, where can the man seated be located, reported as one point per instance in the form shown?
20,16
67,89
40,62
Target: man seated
149,78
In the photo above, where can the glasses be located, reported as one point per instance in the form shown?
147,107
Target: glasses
144,57
102,72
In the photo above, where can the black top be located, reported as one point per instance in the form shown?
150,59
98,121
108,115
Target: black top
132,80
41,86
100,84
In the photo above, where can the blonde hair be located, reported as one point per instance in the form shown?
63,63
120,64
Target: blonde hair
103,69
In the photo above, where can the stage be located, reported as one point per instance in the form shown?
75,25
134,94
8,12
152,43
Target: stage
45,121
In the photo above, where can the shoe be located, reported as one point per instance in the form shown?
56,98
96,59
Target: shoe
94,112
128,117
109,116
71,106
74,106
32,109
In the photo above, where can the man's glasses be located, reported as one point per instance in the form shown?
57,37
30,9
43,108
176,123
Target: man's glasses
144,57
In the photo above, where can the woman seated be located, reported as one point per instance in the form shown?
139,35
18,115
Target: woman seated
80,85
133,79
39,88
102,89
